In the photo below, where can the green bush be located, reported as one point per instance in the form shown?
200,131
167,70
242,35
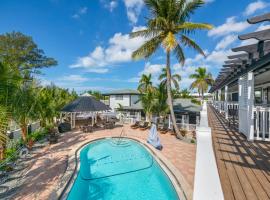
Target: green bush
11,153
198,102
38,135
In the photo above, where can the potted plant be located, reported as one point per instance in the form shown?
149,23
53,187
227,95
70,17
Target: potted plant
53,135
30,143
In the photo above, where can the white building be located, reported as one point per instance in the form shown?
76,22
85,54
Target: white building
127,101
242,88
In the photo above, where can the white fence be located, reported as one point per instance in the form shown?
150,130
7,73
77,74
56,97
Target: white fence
261,123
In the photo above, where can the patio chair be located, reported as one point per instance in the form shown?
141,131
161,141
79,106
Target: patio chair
164,129
144,126
136,125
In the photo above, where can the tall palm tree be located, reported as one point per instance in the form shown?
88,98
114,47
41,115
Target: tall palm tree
202,80
147,96
175,78
160,103
185,94
169,27
145,83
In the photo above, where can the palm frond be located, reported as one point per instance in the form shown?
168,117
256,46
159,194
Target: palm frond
178,51
146,33
191,43
189,9
188,27
148,48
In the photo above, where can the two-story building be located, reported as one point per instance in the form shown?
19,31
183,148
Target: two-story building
126,102
242,88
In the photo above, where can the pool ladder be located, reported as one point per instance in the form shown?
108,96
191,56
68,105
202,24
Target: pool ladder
121,136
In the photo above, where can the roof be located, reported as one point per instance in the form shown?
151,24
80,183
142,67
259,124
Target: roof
185,105
85,104
124,91
256,57
137,106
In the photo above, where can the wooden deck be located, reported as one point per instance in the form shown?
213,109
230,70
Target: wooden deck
244,167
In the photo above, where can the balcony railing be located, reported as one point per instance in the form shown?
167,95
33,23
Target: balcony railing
261,123
232,109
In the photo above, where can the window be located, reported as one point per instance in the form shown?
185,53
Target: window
118,97
235,96
258,95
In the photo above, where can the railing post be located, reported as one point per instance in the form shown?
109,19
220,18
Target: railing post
250,105
219,100
226,102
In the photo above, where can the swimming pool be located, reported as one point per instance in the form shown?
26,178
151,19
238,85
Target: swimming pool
120,169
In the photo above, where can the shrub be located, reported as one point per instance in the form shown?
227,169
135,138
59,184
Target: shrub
195,101
38,135
11,153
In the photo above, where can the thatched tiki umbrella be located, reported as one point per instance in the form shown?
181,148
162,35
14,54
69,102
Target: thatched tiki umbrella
84,106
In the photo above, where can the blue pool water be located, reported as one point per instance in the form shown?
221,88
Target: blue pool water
120,169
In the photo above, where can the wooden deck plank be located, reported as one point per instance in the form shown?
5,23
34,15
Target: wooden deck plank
244,166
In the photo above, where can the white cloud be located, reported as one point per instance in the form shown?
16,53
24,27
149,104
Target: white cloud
255,6
111,5
230,26
263,27
119,49
133,9
153,69
226,41
80,12
73,78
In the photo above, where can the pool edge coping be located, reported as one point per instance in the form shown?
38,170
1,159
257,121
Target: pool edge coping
182,187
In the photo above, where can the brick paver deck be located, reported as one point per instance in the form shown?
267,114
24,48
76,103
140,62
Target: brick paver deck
47,169
244,167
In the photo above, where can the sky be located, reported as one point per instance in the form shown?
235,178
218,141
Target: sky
90,39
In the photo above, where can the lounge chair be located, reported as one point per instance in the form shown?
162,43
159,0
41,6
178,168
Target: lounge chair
164,129
144,126
136,125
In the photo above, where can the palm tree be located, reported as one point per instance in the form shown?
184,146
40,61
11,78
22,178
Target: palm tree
25,106
185,94
147,95
169,27
160,105
202,80
175,78
145,83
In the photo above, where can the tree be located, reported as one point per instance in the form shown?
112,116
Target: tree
96,94
145,83
24,105
175,78
169,21
147,95
53,99
19,59
160,103
22,55
202,80
185,94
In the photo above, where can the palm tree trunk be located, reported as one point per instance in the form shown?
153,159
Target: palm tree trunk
24,131
202,95
170,100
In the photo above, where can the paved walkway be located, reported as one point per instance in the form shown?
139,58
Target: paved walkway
46,171
244,167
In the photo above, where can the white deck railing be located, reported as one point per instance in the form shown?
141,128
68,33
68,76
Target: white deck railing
232,109
219,105
261,123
